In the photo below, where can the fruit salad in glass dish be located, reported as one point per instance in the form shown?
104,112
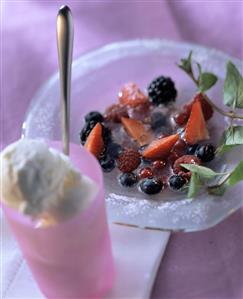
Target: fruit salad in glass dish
152,143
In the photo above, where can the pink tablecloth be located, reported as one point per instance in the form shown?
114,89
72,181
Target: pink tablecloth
196,265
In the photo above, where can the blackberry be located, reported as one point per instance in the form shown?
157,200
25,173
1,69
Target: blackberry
107,164
206,152
151,186
86,131
162,90
114,150
128,179
94,116
176,182
192,149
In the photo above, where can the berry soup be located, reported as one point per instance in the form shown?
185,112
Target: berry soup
143,138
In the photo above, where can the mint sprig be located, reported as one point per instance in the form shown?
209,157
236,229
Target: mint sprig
202,171
233,178
232,136
203,80
201,177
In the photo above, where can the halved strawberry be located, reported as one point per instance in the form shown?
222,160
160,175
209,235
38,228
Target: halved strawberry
136,130
160,148
206,107
196,128
131,95
94,143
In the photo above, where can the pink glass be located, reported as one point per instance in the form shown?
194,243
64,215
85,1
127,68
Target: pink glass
72,259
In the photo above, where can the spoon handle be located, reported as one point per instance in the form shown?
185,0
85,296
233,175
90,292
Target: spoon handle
65,52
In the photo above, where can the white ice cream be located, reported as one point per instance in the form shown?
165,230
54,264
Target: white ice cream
42,182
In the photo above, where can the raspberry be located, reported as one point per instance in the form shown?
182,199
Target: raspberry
158,164
115,112
186,159
179,147
145,173
185,175
172,158
128,160
131,95
181,118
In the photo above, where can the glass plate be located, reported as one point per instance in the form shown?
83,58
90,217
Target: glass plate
96,79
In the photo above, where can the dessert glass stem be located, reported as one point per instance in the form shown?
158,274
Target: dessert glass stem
65,52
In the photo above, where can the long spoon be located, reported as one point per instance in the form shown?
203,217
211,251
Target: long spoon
65,53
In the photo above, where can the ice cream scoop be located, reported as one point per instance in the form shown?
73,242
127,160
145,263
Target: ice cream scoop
42,182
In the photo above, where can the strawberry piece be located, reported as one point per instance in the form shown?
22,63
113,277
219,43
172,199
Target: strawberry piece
196,128
206,107
131,95
136,130
160,148
94,143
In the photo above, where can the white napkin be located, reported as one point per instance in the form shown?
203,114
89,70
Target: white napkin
137,255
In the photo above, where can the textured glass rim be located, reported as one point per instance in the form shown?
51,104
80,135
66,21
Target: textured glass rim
91,57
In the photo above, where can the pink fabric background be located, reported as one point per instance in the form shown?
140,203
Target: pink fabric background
200,265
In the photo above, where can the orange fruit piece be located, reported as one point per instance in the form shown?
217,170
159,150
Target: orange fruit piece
136,130
196,128
94,143
160,148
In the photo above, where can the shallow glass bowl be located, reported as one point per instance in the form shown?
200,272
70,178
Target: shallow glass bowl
96,79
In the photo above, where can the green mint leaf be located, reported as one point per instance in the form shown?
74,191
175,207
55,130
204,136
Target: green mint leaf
206,81
236,175
233,87
233,136
199,69
194,185
186,64
234,178
222,149
202,171
217,190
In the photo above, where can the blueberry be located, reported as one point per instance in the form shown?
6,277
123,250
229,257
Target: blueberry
192,149
158,120
176,182
106,134
151,186
86,131
206,152
114,150
128,179
107,164
94,116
